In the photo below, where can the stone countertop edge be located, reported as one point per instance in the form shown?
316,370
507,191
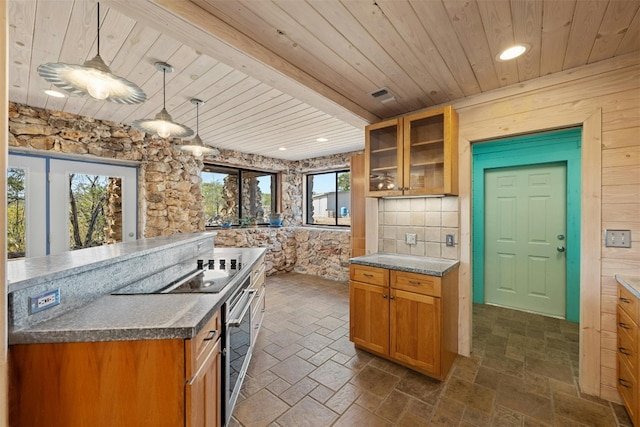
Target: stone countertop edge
136,317
632,283
31,271
409,263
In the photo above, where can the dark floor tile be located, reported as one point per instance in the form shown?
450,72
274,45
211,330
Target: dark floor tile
343,398
514,394
549,369
358,416
307,413
582,410
375,381
332,375
292,369
259,410
393,405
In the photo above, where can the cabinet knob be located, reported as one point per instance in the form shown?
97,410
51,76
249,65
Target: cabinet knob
624,383
624,351
392,297
623,325
384,295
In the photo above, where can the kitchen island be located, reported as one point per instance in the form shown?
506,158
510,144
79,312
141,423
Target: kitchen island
125,359
405,308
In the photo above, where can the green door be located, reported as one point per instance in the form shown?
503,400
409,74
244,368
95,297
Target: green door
525,229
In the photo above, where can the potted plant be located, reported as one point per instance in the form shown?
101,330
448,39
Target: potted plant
275,219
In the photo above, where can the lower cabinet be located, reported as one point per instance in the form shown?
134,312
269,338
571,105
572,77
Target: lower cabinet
628,356
409,318
170,382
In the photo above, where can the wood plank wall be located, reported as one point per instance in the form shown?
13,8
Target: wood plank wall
605,99
4,147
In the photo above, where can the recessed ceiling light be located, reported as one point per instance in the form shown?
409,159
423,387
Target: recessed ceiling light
282,148
512,52
55,93
321,139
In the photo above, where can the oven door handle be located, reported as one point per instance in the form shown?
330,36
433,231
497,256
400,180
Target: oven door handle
236,322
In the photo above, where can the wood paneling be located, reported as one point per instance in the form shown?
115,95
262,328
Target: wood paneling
358,207
4,121
608,109
280,73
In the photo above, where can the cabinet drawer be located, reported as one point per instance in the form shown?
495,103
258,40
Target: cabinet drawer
629,303
628,351
418,283
626,325
366,274
628,388
197,348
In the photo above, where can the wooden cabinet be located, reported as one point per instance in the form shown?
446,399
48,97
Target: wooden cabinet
126,383
413,155
628,360
358,206
409,318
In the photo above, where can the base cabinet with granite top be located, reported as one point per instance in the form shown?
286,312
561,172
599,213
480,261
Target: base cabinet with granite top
168,382
409,318
628,359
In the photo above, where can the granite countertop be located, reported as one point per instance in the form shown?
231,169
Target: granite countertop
409,263
133,317
29,271
632,283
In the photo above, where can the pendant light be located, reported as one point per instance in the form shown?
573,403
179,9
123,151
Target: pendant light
93,78
163,125
195,145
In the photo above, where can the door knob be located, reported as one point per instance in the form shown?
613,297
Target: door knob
560,248
560,236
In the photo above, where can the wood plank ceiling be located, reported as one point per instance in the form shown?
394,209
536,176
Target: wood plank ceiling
282,73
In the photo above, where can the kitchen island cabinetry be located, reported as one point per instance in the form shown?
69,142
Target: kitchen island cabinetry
407,317
628,335
126,383
414,155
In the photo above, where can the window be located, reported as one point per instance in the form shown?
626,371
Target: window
56,205
237,196
329,198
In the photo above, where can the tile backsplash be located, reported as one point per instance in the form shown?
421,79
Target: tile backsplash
431,219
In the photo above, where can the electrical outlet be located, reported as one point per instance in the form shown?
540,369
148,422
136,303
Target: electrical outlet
44,300
450,240
411,238
617,238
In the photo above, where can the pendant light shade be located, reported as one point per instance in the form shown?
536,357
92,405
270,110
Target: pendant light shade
162,124
93,78
195,145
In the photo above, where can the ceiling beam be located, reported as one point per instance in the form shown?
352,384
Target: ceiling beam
187,22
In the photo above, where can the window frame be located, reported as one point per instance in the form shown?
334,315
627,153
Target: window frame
308,197
275,187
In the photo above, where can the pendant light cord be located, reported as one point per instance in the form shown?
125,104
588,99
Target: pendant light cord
197,118
164,88
98,28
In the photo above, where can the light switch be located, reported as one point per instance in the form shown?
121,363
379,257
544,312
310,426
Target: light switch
617,238
411,238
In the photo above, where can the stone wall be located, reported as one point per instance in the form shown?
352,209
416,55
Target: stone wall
315,251
169,195
170,199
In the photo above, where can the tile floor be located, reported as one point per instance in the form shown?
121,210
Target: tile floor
306,372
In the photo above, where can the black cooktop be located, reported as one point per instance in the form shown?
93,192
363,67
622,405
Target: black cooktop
209,276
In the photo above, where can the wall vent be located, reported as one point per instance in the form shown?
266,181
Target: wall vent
383,95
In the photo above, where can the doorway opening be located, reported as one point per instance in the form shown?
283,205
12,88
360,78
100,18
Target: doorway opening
497,166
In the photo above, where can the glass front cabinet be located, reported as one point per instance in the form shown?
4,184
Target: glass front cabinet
414,155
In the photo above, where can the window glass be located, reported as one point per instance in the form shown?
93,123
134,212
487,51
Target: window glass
237,196
329,198
16,214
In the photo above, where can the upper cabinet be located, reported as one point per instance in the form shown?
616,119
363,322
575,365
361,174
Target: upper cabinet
414,155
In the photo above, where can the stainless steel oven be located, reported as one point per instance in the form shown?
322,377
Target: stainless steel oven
237,348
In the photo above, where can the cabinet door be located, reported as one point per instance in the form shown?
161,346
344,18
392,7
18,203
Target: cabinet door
203,392
369,316
430,152
383,159
415,330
